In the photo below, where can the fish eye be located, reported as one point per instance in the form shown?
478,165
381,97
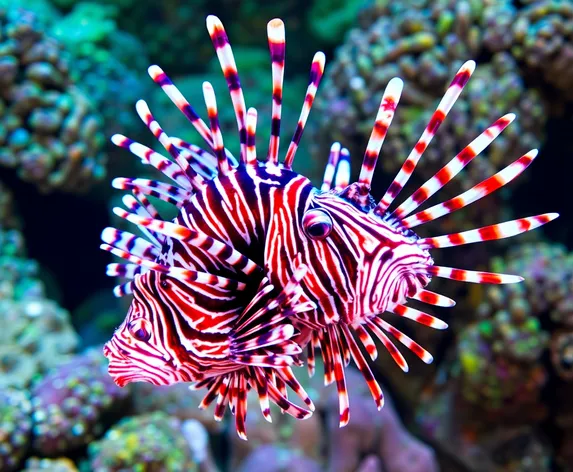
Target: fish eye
317,224
140,329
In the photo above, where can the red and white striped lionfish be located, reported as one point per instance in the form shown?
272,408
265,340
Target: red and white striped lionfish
259,264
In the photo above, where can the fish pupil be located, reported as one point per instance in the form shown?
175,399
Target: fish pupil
319,230
138,331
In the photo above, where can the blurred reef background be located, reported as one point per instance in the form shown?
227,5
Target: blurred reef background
499,396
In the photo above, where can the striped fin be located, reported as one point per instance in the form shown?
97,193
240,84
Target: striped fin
251,158
363,367
123,290
289,379
141,206
129,271
444,107
271,336
418,316
477,192
384,117
213,386
316,71
367,341
260,384
471,276
186,275
332,342
330,168
229,67
222,399
161,79
281,386
488,233
388,344
212,246
204,163
161,190
412,345
168,168
150,121
453,168
241,406
432,298
129,242
287,406
218,146
342,178
276,35
311,360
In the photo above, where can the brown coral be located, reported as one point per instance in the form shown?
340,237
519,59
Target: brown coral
48,130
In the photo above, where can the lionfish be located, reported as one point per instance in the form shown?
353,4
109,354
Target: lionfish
259,264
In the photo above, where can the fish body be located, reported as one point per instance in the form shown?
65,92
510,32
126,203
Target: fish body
259,264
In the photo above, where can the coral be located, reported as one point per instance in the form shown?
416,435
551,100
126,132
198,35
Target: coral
48,130
108,65
72,402
147,443
175,400
275,458
369,431
15,427
36,464
37,334
425,46
543,42
287,443
547,289
562,354
499,357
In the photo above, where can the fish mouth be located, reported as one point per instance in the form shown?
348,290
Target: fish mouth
120,368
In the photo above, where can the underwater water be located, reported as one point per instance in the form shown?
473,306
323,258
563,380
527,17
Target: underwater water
261,279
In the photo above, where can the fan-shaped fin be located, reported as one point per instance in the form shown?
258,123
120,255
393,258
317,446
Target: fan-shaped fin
453,168
316,71
276,35
384,117
444,107
229,67
477,192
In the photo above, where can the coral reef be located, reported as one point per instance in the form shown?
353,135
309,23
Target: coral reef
72,404
15,427
425,46
37,334
378,433
500,359
543,42
109,65
176,401
36,464
146,443
49,132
